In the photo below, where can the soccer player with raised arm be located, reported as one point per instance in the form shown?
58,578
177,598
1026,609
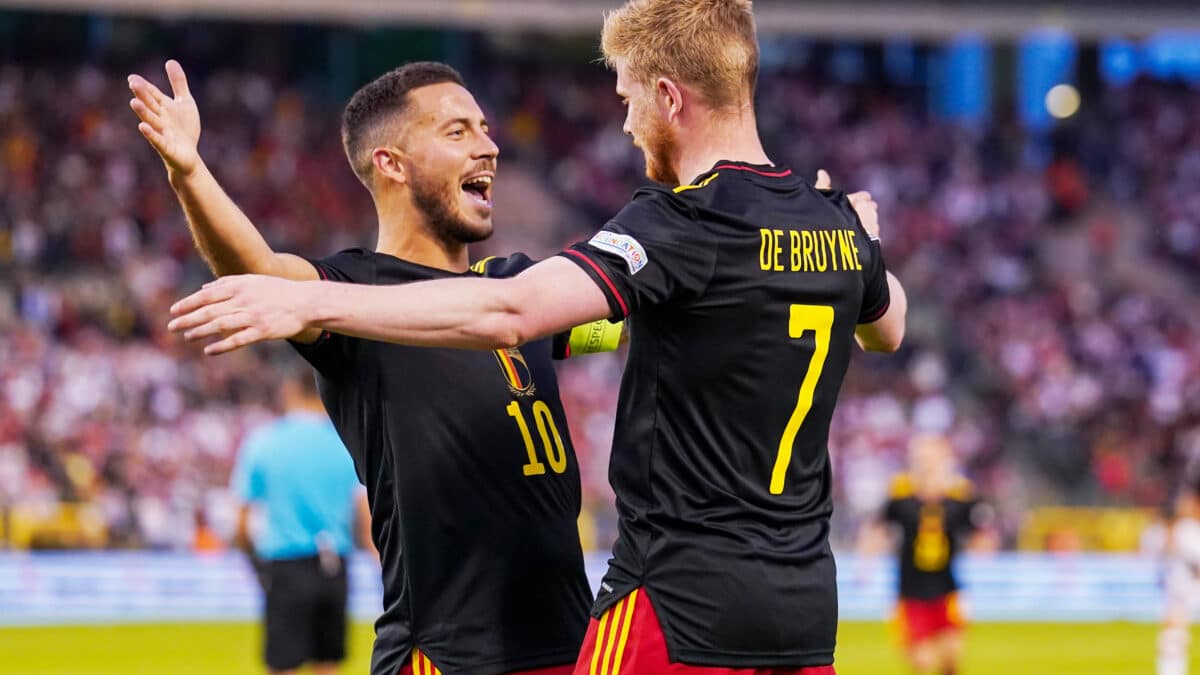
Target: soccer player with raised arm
472,479
746,288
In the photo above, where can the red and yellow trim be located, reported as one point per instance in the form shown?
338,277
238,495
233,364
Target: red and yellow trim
421,665
603,277
510,369
769,174
612,636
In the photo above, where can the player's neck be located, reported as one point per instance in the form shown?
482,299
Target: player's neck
721,138
404,234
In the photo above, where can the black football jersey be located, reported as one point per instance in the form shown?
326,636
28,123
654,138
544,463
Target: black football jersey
744,290
483,568
931,535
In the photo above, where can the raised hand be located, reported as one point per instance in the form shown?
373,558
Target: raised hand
171,125
824,182
862,201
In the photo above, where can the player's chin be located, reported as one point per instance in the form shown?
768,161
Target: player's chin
474,224
480,231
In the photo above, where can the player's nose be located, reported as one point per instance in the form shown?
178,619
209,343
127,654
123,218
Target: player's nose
487,147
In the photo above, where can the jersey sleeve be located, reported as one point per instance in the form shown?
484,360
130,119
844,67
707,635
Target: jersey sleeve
891,511
331,353
652,252
876,294
900,490
973,513
877,297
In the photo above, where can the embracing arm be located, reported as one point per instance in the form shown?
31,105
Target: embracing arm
552,296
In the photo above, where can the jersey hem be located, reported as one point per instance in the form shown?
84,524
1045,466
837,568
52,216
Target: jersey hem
875,316
496,667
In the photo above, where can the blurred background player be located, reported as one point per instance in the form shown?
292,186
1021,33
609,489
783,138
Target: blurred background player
297,474
1182,591
935,514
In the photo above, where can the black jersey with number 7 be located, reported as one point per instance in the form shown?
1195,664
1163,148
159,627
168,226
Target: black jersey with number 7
744,291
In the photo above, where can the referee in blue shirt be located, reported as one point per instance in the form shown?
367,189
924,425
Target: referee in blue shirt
300,476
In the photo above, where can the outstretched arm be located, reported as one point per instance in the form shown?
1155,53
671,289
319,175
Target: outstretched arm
550,297
225,237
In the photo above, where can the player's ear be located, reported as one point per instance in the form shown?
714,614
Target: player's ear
388,165
669,97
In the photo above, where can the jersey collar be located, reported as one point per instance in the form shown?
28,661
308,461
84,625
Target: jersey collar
764,170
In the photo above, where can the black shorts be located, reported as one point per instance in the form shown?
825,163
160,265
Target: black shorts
304,612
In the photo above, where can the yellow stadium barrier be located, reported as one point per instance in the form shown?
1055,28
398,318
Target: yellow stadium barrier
1064,528
53,526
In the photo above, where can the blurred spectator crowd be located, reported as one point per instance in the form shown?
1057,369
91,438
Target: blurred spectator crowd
1054,327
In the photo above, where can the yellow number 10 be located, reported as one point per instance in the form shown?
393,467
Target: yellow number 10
555,451
819,319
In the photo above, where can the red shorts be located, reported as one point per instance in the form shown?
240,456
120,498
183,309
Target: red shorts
920,620
628,640
422,665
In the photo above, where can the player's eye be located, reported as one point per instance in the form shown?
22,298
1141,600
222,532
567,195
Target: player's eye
457,132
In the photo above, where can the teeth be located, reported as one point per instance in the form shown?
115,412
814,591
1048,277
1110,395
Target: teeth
482,180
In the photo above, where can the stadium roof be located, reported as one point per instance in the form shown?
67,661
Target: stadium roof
927,19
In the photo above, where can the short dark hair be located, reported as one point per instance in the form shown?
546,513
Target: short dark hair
381,101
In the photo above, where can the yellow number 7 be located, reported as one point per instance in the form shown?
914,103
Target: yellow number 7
819,319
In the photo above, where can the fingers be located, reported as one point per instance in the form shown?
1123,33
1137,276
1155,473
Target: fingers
147,93
199,317
156,139
145,114
863,200
861,197
213,293
222,321
179,83
824,182
242,338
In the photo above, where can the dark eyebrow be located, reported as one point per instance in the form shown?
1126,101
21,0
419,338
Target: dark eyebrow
465,121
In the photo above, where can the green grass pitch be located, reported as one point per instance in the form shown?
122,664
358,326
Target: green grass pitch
863,649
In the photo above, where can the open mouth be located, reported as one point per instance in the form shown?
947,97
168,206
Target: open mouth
479,188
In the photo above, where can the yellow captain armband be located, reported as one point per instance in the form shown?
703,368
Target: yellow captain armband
595,337
590,338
